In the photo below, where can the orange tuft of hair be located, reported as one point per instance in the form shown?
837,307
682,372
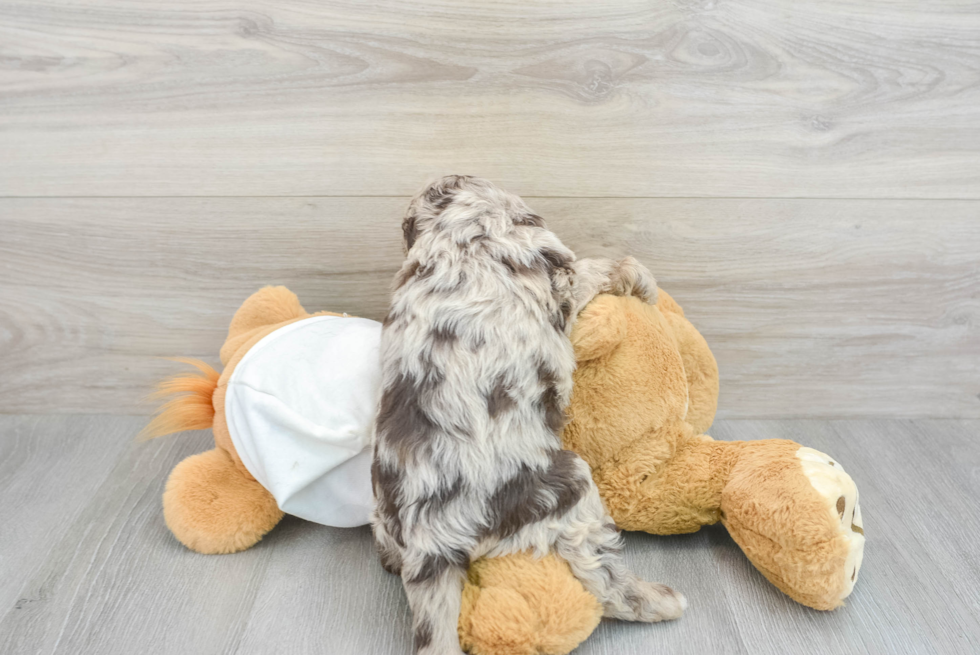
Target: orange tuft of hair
192,409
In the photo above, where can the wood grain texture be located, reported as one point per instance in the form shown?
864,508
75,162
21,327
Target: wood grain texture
51,480
106,577
746,98
812,307
85,596
920,547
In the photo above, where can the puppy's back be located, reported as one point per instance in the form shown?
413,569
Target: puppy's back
476,363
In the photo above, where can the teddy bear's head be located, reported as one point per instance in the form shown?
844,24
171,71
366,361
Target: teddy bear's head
641,369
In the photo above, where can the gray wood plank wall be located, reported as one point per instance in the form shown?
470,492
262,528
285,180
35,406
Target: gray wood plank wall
633,98
804,177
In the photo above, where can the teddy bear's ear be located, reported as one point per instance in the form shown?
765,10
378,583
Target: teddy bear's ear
600,327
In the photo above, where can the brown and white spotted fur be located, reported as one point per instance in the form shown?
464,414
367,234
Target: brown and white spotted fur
477,372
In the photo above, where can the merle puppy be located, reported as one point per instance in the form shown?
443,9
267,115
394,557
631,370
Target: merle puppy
477,372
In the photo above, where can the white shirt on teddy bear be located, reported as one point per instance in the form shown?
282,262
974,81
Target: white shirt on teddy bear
300,408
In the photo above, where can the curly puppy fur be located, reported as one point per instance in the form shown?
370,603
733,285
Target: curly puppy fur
477,372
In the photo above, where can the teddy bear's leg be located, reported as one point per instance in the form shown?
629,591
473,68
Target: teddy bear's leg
795,513
211,507
838,491
670,483
792,510
522,605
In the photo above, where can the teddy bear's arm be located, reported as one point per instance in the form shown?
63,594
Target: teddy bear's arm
700,367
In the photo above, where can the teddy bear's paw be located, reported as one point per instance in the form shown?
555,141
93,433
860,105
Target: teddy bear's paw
649,602
840,493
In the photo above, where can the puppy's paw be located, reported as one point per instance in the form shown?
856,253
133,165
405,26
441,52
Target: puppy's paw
392,566
663,603
634,279
651,602
391,561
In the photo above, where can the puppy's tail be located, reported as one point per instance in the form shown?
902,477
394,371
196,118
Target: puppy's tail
191,408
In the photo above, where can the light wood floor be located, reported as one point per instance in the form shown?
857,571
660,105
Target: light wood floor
89,566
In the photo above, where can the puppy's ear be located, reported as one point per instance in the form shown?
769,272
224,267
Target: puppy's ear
440,193
600,327
409,231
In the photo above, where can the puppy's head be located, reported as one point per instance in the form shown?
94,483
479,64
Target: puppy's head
464,208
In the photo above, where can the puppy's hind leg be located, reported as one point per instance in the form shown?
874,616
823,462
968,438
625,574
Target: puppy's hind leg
434,586
593,550
389,552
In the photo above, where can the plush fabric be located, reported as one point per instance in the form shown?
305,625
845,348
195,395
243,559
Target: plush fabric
645,391
212,508
520,605
213,504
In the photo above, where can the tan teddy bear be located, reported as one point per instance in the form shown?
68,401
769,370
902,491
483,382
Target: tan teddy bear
645,390
213,504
